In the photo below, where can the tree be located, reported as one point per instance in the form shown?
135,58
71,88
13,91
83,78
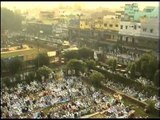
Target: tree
41,59
147,65
133,70
4,65
112,63
85,53
144,67
82,53
151,107
156,78
90,64
15,65
71,55
77,65
129,66
96,78
30,77
44,71
6,82
10,21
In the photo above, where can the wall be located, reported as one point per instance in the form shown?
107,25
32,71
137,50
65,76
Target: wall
151,14
130,28
150,24
84,24
111,24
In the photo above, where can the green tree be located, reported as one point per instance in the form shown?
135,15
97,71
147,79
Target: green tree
71,55
147,65
112,63
15,65
30,77
4,65
151,108
41,59
6,82
156,78
96,78
129,66
85,53
77,65
133,70
10,21
44,71
144,68
90,64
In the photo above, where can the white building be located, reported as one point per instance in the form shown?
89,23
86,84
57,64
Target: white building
150,28
130,28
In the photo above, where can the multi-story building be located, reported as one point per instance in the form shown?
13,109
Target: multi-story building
119,14
98,24
46,15
150,28
148,12
74,23
131,9
140,33
85,24
130,28
110,22
149,34
111,27
128,31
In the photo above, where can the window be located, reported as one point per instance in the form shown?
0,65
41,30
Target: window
126,27
144,29
110,25
126,39
151,30
105,25
135,27
116,25
133,40
121,26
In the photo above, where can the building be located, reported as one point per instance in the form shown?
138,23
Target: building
110,22
129,31
98,24
150,28
148,12
75,23
149,34
130,10
130,28
119,14
52,56
85,24
37,26
60,31
46,15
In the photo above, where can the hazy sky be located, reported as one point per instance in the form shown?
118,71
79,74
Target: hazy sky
49,5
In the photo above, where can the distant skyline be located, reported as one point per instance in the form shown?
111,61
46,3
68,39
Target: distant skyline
91,5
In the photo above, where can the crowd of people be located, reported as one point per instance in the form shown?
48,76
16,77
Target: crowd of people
124,57
130,91
144,81
70,97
